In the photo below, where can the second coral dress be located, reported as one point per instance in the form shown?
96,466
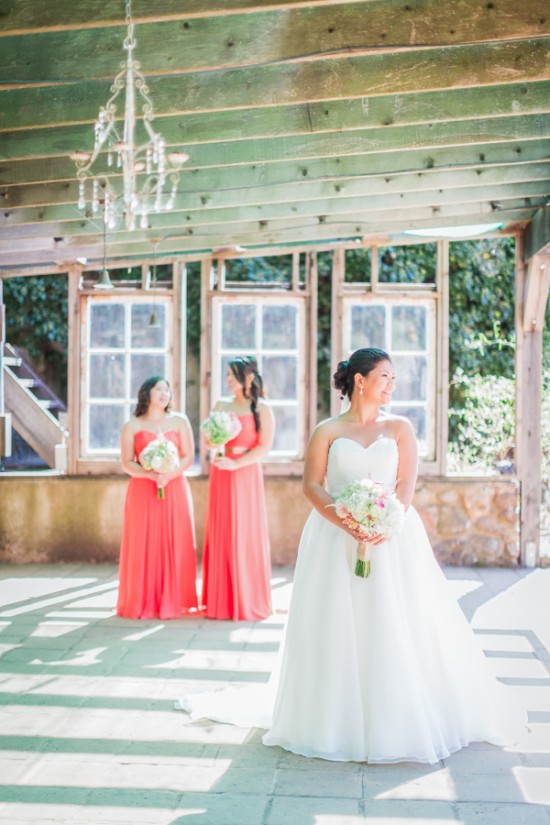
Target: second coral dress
236,564
157,553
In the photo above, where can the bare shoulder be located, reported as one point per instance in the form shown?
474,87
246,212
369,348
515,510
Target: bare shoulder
131,426
178,420
326,430
399,427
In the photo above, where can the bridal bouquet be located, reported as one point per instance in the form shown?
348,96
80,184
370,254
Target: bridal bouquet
220,427
160,455
374,510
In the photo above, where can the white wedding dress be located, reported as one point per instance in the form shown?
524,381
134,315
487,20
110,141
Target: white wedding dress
383,669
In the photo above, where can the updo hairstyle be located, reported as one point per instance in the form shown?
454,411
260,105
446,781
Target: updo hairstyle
241,368
362,361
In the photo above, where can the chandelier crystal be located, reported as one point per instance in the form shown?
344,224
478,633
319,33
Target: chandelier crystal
147,169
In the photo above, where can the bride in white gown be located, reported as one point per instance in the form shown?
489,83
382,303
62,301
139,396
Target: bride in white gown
382,669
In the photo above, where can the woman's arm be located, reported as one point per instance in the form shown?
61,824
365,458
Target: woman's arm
127,454
407,468
265,442
315,469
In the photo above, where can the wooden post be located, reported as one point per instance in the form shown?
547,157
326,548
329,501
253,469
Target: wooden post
205,400
338,273
442,380
311,260
531,296
73,368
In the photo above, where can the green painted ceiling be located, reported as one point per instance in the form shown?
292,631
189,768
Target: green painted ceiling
311,121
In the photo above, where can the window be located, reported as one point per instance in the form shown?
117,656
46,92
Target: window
126,340
272,330
406,328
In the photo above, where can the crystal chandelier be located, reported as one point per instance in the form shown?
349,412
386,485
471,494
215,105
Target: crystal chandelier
147,168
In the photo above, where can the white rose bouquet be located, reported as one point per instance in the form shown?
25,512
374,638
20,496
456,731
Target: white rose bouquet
160,455
371,508
220,427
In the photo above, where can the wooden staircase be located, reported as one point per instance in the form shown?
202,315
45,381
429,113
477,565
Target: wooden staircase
38,415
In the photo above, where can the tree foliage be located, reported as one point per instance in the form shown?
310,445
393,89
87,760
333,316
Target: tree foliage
36,321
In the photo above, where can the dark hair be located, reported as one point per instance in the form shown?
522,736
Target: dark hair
241,368
363,361
144,395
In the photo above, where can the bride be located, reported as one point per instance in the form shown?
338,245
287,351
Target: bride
380,669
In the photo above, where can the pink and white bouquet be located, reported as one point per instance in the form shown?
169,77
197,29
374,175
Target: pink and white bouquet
160,455
371,508
220,427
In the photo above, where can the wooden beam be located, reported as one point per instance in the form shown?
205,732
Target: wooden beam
180,45
386,111
204,182
253,235
402,72
537,282
493,198
537,237
69,15
494,181
359,211
528,419
362,142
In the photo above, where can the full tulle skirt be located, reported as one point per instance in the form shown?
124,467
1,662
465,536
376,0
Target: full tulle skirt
157,574
236,564
382,669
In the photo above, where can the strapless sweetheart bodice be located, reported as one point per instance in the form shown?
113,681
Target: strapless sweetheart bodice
350,461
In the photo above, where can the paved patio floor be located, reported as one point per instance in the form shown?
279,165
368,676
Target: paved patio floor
89,734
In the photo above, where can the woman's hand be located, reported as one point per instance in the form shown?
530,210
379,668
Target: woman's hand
223,463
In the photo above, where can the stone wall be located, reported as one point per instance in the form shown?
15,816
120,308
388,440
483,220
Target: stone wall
45,518
471,521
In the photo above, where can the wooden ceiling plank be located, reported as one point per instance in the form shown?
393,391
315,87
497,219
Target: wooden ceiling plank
388,111
67,15
229,42
326,79
334,144
522,175
498,197
203,182
306,232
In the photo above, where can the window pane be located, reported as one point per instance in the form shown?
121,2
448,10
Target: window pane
286,429
144,336
279,327
367,327
408,328
107,325
238,327
417,417
106,421
107,376
143,367
279,375
412,374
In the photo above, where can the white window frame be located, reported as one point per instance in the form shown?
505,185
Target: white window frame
127,300
259,301
388,302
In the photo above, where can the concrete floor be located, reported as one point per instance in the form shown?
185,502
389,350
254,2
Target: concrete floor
89,734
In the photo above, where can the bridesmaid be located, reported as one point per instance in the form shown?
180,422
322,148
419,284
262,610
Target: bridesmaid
236,564
157,553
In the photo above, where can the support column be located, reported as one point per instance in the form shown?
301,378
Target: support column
532,284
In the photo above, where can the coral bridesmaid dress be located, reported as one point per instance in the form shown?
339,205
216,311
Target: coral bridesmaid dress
236,564
157,553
